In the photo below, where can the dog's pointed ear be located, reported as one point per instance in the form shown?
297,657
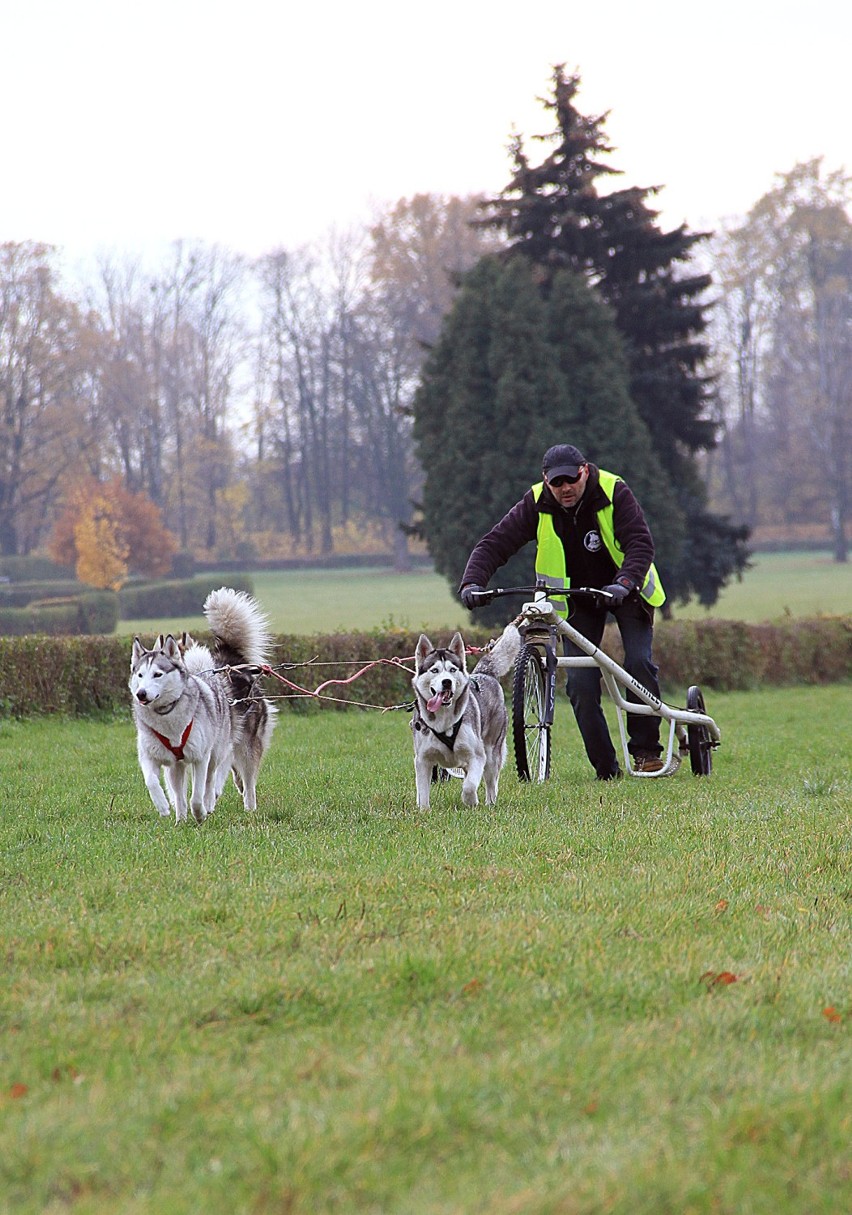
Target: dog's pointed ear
160,642
171,649
456,648
424,647
137,651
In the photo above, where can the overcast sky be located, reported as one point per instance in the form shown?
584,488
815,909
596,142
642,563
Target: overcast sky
261,124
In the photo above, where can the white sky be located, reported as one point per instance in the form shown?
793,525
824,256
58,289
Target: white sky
263,123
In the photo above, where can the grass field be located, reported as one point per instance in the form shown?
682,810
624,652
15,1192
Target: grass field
633,998
327,601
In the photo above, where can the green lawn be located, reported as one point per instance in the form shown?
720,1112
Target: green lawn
781,585
633,998
328,601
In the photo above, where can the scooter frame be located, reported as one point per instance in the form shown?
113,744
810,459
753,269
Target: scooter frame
540,625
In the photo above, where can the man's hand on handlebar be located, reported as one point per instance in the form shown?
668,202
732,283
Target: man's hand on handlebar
472,596
619,590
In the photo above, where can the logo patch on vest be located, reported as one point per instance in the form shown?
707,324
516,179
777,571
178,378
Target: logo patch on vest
592,541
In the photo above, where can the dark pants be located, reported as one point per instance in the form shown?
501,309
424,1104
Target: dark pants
635,621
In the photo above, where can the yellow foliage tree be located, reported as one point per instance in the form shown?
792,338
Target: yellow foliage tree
104,527
101,552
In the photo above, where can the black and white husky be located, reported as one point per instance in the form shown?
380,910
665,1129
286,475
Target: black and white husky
193,718
460,719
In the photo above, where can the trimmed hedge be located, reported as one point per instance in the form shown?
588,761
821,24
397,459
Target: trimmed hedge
22,569
89,613
20,594
81,675
183,596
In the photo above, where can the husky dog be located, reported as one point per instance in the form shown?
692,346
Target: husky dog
242,639
460,719
192,718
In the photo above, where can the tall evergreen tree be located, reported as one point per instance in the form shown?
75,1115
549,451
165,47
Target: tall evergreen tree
512,373
554,214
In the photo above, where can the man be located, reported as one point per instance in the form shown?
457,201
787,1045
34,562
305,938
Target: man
590,531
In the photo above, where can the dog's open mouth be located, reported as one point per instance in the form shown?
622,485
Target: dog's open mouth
434,703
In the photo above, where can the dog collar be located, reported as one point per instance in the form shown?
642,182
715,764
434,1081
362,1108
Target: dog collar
177,751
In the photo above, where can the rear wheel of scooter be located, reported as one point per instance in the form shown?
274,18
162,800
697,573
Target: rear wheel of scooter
698,737
530,732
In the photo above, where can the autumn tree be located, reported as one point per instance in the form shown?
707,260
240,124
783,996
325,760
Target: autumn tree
106,531
418,251
344,331
45,393
101,552
784,334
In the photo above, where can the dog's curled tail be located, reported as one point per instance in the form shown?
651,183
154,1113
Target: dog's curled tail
499,659
238,622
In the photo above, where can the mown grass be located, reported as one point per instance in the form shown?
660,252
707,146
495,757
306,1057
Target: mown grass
330,601
343,1004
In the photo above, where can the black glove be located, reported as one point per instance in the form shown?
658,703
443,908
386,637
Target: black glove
467,595
619,590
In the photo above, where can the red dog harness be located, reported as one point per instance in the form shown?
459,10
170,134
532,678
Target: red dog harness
177,751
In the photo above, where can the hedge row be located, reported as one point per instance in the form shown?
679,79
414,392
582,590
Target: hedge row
179,597
90,613
80,675
64,607
21,594
21,569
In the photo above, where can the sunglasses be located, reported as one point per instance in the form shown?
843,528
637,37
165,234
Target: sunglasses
557,482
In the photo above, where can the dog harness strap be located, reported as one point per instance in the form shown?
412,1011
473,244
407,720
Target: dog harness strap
449,740
177,751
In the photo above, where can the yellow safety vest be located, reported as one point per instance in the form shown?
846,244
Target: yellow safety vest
550,554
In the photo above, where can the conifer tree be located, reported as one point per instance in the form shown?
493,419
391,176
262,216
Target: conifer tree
554,214
512,373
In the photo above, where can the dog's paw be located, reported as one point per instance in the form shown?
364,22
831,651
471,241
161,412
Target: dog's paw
160,804
470,797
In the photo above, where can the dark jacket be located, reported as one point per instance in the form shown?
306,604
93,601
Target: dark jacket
583,567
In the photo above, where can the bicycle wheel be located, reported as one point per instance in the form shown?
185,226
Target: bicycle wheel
529,729
698,737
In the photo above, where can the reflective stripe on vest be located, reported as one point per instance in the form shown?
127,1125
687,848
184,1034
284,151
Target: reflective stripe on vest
550,555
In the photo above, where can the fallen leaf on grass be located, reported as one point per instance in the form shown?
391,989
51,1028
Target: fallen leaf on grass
831,1014
721,906
722,978
472,987
18,1090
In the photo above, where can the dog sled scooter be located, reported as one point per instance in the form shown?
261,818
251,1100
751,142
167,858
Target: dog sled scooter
534,690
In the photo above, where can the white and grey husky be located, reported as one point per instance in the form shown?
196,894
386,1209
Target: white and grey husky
460,719
193,718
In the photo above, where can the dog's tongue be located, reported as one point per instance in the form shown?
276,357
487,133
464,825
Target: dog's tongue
433,704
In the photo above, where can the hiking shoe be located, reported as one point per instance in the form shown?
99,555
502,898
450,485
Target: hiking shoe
647,761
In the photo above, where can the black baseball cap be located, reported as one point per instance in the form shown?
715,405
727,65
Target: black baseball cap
563,460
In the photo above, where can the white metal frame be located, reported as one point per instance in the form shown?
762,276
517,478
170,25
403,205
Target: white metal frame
542,613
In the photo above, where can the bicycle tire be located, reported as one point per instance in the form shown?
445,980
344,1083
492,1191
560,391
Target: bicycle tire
530,732
698,737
